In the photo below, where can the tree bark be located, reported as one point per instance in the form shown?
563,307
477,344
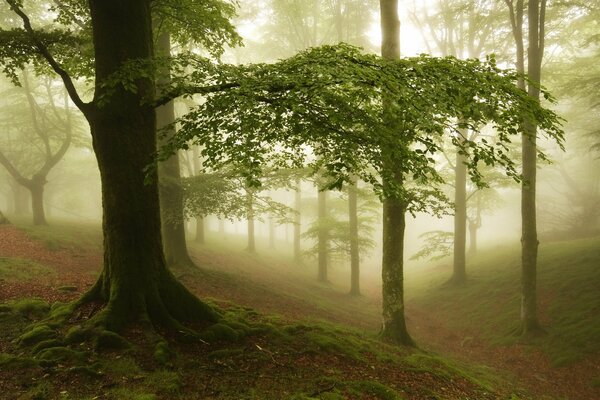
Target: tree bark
459,274
392,269
250,227
529,241
354,251
271,234
170,190
323,236
298,221
36,187
135,283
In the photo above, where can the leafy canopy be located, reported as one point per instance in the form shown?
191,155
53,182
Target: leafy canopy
324,107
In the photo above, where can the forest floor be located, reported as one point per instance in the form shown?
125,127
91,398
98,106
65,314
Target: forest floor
304,353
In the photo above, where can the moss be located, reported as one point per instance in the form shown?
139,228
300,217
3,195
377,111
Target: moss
220,332
46,344
38,334
10,361
5,308
122,367
60,311
107,340
372,388
41,391
78,334
162,352
60,354
32,308
67,289
162,381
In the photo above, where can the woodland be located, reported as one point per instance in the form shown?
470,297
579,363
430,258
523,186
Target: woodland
299,199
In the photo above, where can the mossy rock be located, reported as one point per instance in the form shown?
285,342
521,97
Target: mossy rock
38,334
107,340
32,308
59,354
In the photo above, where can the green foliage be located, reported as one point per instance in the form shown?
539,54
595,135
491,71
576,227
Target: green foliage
436,245
328,100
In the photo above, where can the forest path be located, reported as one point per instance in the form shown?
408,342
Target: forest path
275,287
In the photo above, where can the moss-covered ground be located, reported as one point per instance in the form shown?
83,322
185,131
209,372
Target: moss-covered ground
285,336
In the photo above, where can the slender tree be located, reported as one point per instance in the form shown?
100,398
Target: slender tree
394,208
536,19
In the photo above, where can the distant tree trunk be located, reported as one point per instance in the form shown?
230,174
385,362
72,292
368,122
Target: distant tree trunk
459,274
3,219
354,251
170,190
323,236
394,323
200,230
298,221
474,225
36,187
250,215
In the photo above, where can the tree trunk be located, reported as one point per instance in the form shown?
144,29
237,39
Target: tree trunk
323,235
250,213
459,274
298,222
200,230
36,187
171,192
3,219
222,228
392,269
135,282
473,228
354,252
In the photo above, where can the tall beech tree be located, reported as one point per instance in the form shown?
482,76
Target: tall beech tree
536,20
135,284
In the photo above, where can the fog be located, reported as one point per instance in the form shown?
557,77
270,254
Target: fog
323,227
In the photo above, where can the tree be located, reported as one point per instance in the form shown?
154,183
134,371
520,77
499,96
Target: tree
536,17
49,127
135,284
265,116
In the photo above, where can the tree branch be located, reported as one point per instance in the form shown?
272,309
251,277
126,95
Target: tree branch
67,81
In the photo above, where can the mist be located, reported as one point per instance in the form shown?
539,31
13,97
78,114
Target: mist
317,199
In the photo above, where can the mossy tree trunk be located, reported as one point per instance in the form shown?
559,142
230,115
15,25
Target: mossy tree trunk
200,230
394,322
135,283
251,248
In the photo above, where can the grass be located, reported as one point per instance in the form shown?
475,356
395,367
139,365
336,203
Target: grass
568,281
17,269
